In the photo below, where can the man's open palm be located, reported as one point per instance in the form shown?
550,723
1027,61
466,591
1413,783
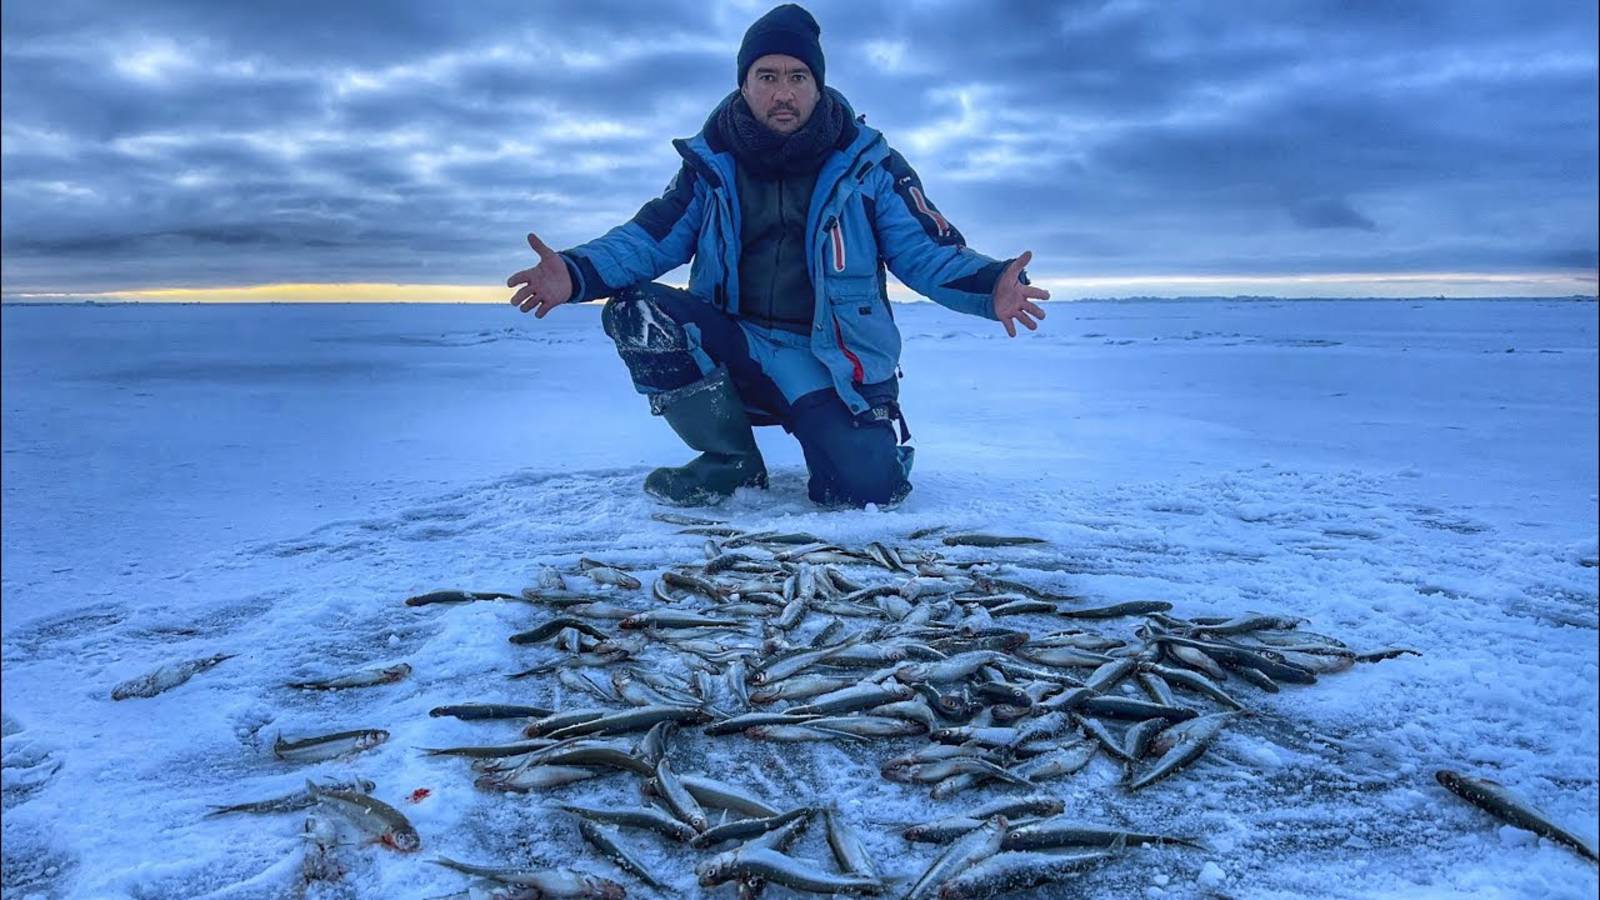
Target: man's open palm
1013,300
545,286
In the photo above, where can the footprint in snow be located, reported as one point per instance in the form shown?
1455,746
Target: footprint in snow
26,764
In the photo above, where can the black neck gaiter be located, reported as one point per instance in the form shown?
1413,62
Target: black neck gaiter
767,154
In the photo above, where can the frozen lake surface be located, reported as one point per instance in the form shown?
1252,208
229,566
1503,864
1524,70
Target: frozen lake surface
272,481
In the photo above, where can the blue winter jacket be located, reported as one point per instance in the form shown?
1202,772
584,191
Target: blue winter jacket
868,210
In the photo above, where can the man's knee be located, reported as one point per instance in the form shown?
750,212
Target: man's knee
876,478
857,465
635,317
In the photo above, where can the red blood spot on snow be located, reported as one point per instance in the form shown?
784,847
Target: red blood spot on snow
420,794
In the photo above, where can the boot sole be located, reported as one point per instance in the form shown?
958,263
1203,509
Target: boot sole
707,499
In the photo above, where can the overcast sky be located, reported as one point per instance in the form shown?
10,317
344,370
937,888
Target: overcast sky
1136,148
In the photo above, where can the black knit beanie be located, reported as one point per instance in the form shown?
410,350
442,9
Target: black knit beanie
789,30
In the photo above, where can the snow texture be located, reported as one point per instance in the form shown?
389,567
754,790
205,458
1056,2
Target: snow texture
273,481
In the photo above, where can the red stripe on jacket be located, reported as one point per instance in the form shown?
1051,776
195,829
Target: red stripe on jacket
857,373
930,212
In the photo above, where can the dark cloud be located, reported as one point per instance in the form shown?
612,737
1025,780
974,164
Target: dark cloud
170,143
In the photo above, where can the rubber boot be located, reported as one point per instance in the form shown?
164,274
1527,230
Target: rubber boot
709,416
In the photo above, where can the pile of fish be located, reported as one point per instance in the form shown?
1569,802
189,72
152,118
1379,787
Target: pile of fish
965,678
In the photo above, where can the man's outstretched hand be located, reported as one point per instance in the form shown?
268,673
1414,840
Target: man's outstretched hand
545,286
1014,300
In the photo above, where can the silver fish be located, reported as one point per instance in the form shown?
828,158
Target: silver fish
962,853
1188,749
1116,610
594,755
665,618
801,687
328,746
610,845
301,799
1193,681
779,668
602,574
1016,870
1494,799
548,884
785,870
793,612
601,610
638,719
672,518
863,725
638,817
1060,762
527,778
746,828
1064,831
974,539
848,851
479,711
803,732
722,795
945,671
364,678
1064,657
559,720
1112,706
458,596
386,824
165,678
494,751
951,827
552,627
856,697
677,797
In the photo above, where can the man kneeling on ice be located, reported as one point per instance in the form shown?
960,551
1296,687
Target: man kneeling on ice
791,208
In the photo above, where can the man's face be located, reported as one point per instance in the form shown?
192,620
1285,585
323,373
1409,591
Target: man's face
781,92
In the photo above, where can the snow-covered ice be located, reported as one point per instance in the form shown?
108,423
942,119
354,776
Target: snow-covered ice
273,481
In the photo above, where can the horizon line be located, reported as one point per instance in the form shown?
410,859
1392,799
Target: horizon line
1348,285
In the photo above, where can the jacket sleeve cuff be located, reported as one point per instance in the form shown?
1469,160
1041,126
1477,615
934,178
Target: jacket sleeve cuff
576,274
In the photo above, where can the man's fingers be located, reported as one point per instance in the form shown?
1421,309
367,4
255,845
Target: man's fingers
522,295
1033,309
1023,318
1011,327
522,277
545,306
539,246
1014,270
1035,292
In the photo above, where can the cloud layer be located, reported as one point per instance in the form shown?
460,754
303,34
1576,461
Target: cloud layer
179,144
